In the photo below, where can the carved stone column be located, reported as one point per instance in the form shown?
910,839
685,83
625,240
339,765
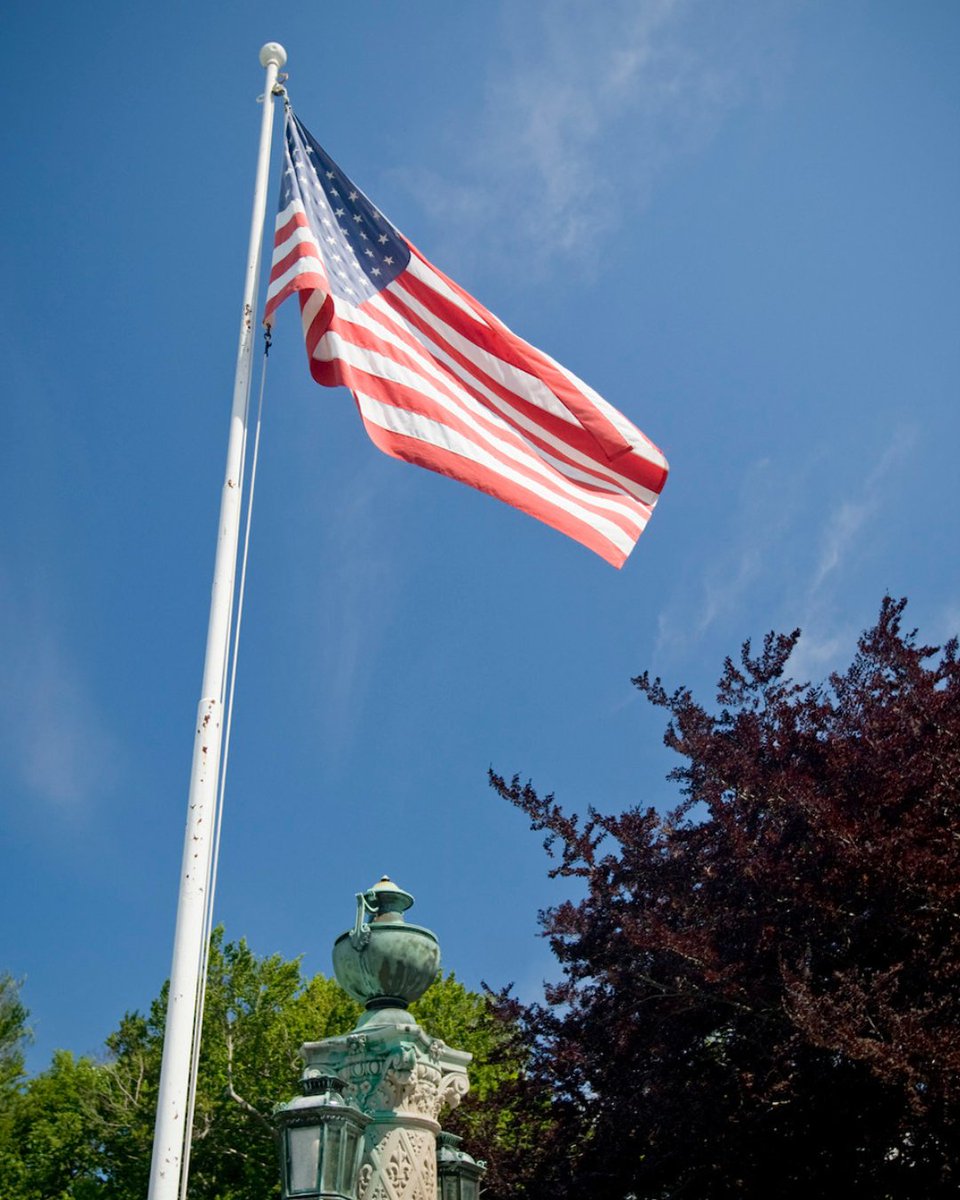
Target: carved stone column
402,1079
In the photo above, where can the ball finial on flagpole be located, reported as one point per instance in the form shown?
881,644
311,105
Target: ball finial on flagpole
272,52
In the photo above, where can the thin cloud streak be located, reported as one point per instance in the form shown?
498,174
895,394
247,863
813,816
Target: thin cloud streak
849,517
767,508
817,654
54,736
351,582
829,635
846,523
768,537
581,120
948,623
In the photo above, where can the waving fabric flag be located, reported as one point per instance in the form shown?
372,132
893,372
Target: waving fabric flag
440,381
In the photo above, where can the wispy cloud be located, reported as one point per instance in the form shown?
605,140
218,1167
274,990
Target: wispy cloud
582,115
757,528
360,579
838,536
818,653
846,520
54,738
768,540
345,597
829,629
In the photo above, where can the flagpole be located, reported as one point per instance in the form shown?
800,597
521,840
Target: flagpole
195,882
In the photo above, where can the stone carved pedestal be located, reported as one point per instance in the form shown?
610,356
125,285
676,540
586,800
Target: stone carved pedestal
402,1079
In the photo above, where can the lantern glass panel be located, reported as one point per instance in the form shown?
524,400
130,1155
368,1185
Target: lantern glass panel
449,1188
351,1150
303,1151
469,1188
330,1167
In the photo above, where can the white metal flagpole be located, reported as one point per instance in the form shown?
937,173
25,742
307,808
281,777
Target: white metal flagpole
195,881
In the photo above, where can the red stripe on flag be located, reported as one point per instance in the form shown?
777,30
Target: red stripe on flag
648,475
412,450
491,438
414,358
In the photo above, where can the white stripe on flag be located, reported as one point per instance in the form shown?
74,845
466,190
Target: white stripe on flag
499,447
606,475
408,424
299,235
302,266
421,270
588,472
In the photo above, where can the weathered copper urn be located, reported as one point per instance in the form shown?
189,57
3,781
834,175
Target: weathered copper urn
384,962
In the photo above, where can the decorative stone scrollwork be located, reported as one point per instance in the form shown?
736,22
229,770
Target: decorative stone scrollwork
420,1143
423,1093
452,1090
376,1189
406,1087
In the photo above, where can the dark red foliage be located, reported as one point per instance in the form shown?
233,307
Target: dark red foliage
760,992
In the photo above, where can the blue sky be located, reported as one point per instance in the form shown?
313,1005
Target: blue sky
737,222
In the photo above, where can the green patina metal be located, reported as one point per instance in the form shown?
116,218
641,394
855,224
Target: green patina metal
389,1071
321,1141
458,1174
385,963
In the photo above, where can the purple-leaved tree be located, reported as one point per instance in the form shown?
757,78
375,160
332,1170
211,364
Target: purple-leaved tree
760,993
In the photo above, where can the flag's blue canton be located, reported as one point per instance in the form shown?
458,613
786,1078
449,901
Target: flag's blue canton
361,249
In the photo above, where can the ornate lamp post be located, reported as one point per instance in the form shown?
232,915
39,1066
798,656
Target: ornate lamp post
395,1077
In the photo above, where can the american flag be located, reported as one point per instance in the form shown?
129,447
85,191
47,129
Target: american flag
439,380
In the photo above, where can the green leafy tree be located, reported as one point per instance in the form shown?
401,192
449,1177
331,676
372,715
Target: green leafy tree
51,1139
83,1129
761,992
14,1034
258,1012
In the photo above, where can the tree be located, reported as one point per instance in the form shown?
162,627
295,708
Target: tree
50,1144
83,1129
258,1012
13,1034
760,991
